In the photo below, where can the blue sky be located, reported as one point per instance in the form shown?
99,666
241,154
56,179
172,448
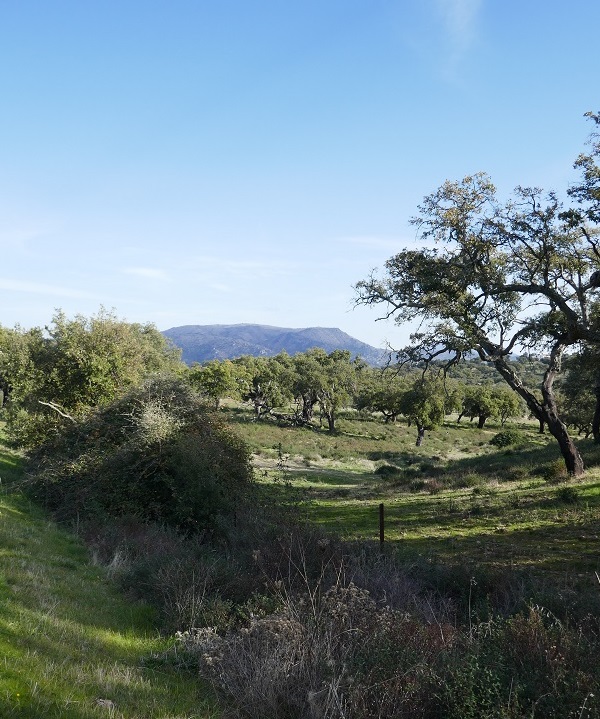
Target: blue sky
196,162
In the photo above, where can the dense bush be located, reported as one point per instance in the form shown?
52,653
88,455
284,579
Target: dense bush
157,453
507,437
387,470
60,374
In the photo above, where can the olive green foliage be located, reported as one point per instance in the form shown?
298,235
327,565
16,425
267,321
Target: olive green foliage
491,401
337,382
382,390
262,382
473,371
157,453
508,437
427,402
305,380
214,380
502,277
578,390
59,374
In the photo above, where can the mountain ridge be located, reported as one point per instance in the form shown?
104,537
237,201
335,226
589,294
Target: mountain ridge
201,343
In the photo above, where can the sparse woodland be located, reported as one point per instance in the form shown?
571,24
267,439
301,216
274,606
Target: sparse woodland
237,501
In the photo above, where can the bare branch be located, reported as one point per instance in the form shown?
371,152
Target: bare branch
58,409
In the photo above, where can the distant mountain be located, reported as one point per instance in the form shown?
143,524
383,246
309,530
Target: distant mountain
200,343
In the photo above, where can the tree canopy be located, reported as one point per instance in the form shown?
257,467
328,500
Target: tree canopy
57,374
498,277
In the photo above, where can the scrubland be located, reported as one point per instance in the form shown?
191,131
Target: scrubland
483,600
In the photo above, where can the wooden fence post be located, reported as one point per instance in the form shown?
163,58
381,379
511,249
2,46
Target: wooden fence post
381,527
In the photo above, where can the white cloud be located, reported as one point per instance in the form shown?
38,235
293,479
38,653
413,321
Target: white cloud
459,18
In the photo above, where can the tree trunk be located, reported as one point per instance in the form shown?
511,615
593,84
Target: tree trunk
546,411
570,453
420,435
596,420
308,406
330,417
481,421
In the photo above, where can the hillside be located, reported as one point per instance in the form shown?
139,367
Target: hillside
200,343
72,646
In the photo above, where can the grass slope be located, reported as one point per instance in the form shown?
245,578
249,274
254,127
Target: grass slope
456,499
70,646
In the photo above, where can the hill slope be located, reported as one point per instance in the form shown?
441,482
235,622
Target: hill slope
200,343
72,646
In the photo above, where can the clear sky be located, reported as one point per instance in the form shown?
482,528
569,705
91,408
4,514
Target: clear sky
227,161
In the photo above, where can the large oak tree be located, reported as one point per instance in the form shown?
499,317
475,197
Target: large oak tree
497,278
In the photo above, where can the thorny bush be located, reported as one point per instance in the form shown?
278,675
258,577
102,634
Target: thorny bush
158,453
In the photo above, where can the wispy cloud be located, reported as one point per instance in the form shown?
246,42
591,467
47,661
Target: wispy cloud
39,288
150,273
459,18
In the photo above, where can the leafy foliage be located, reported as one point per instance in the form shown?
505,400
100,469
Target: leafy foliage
59,374
426,403
488,401
382,390
157,453
519,275
215,380
507,437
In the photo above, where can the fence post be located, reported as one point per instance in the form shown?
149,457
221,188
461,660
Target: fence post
381,527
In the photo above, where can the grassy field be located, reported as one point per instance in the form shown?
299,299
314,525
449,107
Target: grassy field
70,646
456,499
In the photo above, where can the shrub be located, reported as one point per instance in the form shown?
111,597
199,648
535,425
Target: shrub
554,472
434,486
418,485
335,653
468,481
507,437
387,470
567,494
158,453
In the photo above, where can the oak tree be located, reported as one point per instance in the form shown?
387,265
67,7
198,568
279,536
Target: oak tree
497,278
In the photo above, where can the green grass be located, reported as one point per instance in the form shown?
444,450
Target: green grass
456,500
71,647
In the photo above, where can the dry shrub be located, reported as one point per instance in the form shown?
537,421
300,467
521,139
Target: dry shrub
323,656
338,654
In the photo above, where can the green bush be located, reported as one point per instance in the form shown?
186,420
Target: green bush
468,481
507,437
158,453
567,494
554,472
387,470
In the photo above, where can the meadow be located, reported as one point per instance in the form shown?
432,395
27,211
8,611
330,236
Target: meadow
457,501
